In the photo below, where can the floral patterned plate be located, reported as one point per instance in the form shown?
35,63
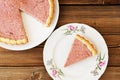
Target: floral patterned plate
57,49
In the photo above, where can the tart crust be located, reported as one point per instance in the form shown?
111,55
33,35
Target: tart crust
13,42
51,13
89,45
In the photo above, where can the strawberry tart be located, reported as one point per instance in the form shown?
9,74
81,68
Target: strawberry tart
81,49
11,25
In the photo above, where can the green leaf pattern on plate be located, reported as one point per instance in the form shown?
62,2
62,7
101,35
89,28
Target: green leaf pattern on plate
100,63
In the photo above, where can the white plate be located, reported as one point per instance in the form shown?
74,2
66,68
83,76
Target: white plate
57,49
36,32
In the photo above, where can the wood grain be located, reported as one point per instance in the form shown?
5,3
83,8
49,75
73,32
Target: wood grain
103,15
23,73
34,57
83,2
39,73
80,1
106,19
114,57
31,57
112,73
112,40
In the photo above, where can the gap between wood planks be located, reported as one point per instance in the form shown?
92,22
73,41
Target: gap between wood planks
89,2
39,73
34,58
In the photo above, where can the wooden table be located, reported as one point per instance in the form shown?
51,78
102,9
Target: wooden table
103,15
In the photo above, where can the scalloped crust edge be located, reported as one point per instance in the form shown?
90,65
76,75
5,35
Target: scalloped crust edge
13,42
51,12
88,44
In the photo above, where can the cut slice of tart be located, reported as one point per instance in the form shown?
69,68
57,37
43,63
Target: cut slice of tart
81,49
11,25
42,10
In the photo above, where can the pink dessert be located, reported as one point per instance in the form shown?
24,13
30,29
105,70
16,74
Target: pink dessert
81,49
11,25
36,8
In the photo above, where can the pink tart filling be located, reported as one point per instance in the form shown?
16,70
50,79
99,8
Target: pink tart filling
11,25
79,51
36,8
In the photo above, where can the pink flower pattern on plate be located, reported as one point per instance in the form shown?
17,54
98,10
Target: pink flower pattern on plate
100,63
54,72
72,28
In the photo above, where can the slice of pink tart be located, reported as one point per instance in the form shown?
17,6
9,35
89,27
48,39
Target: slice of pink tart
42,10
11,25
81,49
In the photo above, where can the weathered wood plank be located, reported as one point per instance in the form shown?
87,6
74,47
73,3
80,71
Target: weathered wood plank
114,54
111,1
89,2
39,73
31,57
80,1
112,40
105,19
34,57
112,73
23,73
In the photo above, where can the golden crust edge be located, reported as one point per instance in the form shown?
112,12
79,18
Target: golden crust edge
13,42
51,12
90,46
